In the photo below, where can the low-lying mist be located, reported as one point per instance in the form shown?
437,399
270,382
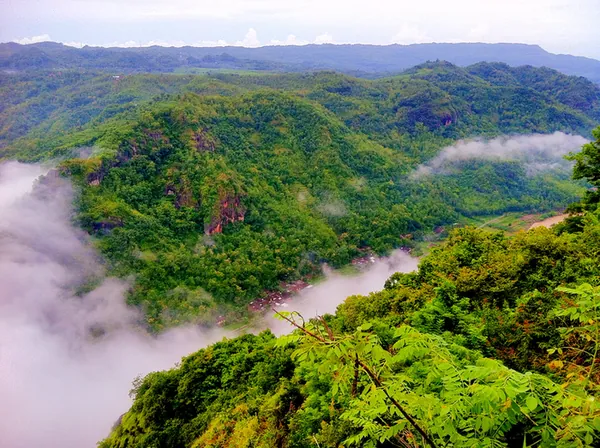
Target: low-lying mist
67,356
539,152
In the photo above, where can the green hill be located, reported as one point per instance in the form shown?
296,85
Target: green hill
238,194
213,189
363,60
492,342
452,101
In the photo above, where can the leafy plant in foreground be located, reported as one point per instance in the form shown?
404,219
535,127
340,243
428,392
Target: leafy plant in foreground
412,389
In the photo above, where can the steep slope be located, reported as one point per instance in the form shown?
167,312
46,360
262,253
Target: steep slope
232,195
212,190
417,364
47,104
576,92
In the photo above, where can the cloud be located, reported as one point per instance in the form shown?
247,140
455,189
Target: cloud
567,26
33,39
67,359
290,40
324,38
250,39
539,152
325,297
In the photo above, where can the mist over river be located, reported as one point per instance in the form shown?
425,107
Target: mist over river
59,387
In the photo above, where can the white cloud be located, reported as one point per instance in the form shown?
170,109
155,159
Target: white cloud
212,43
539,152
324,38
74,44
250,39
558,25
33,39
67,360
290,40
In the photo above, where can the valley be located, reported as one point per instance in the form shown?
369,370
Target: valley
339,260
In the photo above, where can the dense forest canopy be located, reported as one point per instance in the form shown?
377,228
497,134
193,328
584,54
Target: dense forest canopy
492,342
483,99
213,189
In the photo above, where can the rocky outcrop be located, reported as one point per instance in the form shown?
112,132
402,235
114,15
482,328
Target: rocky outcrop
108,224
230,210
184,196
203,141
95,177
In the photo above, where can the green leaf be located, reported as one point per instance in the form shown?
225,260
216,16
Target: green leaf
532,402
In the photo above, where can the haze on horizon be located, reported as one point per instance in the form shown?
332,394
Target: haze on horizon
559,26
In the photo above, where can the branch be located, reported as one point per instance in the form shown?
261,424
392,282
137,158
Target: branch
329,332
397,404
369,372
355,381
301,328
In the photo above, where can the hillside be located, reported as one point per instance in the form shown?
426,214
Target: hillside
492,342
448,100
242,193
204,193
365,60
212,190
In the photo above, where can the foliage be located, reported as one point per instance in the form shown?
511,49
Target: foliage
422,391
587,166
492,342
252,181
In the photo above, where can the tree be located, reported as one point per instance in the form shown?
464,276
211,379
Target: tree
587,166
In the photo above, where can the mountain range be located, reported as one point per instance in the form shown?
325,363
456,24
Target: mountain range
359,60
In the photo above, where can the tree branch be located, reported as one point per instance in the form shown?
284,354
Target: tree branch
371,374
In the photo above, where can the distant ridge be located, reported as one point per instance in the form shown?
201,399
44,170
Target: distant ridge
357,59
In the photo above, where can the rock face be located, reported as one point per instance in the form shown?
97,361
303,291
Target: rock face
95,178
182,190
203,141
230,210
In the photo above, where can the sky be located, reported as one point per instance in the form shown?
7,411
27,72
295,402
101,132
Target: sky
559,26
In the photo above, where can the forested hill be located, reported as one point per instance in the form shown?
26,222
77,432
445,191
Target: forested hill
207,192
213,189
484,99
493,342
366,60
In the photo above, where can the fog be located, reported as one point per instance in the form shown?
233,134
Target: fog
539,152
326,296
68,358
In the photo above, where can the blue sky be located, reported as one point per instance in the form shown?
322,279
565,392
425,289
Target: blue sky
560,26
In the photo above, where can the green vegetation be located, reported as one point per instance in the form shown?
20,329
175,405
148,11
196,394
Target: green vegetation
216,71
210,190
434,98
493,342
213,189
